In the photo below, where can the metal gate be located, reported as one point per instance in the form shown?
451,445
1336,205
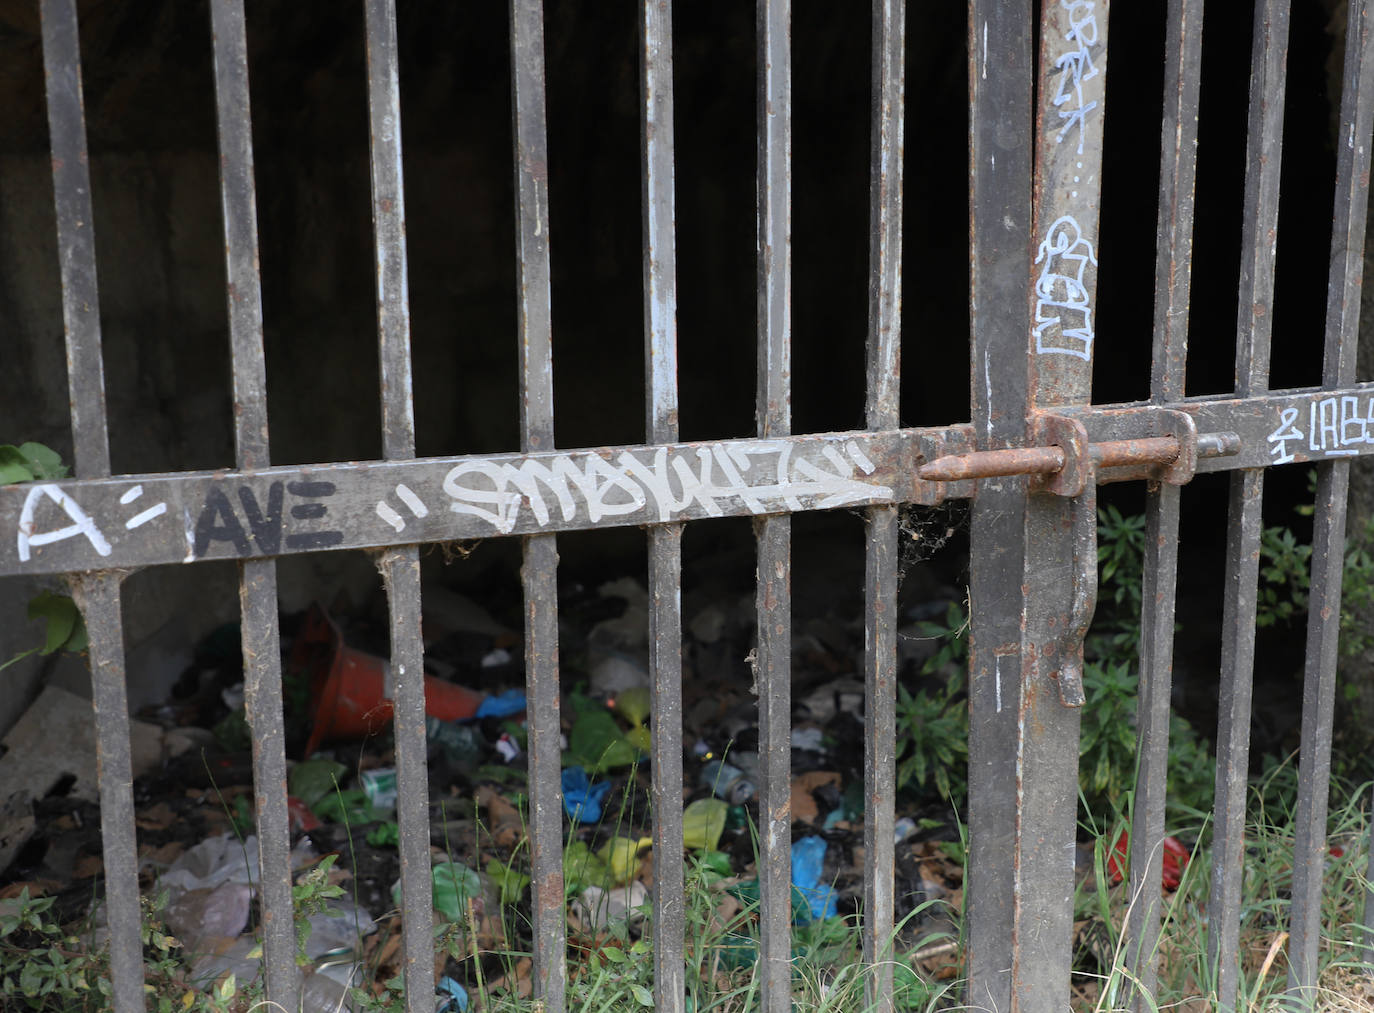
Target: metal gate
1030,461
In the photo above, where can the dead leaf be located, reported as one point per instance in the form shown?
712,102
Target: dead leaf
87,866
803,805
504,824
157,817
165,855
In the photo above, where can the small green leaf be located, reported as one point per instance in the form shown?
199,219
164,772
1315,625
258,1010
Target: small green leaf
614,954
65,626
645,997
44,462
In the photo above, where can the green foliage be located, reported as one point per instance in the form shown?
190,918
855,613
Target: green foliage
47,968
1284,568
932,725
311,895
64,627
30,462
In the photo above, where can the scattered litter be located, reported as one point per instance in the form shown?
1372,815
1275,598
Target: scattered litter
808,857
453,996
620,855
497,657
462,746
379,784
903,829
703,822
508,748
810,739
500,705
804,790
202,918
581,798
727,781
600,909
1175,860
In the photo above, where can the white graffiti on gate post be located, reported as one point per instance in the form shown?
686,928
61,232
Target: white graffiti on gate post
1075,67
1061,291
704,477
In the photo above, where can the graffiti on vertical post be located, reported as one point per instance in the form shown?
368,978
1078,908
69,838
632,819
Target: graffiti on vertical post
1063,311
1075,66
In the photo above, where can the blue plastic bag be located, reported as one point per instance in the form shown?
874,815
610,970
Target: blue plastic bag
501,705
808,855
581,798
453,996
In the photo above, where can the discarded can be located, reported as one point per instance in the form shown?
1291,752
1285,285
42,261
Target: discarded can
727,782
380,785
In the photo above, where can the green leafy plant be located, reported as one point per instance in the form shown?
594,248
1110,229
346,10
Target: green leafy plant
932,724
311,895
64,629
30,462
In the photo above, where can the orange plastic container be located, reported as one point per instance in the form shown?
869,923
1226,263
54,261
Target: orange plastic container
348,694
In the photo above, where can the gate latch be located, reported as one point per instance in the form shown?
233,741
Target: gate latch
1063,463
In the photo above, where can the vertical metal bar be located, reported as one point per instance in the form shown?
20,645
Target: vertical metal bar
665,541
1000,153
773,600
1333,482
1173,276
71,180
880,564
97,595
1365,951
400,567
1264,153
1058,349
257,578
540,571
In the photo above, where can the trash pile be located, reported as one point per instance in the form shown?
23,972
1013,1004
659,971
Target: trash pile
194,796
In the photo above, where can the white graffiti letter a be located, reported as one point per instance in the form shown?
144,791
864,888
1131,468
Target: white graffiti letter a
82,523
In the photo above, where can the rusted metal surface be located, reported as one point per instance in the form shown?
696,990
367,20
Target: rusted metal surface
539,574
400,566
773,412
1031,459
1333,482
1061,529
1000,70
259,630
1173,276
665,541
79,525
98,596
1264,157
880,558
71,182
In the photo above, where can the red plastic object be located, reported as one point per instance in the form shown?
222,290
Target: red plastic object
299,815
347,686
1175,860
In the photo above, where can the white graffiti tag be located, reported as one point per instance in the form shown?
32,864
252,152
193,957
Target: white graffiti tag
1337,426
674,481
82,523
1063,314
1075,67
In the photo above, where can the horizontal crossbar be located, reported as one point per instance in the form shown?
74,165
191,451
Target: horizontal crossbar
144,520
